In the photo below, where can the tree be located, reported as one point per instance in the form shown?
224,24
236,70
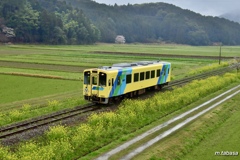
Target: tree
51,28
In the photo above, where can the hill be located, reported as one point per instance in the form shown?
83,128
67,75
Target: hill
85,21
157,22
43,21
233,16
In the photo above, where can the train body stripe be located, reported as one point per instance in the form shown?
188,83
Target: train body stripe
119,89
97,88
163,74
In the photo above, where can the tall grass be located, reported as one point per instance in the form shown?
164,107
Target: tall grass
27,111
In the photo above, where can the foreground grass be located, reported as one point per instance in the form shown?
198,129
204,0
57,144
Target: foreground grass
225,137
28,111
186,143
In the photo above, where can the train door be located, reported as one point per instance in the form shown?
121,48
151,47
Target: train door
87,83
110,84
115,86
94,84
164,72
119,85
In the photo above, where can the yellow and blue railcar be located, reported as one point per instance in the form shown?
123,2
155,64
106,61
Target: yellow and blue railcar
103,84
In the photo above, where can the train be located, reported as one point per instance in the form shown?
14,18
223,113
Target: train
107,84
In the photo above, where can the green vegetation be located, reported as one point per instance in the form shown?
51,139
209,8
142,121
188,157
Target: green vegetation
215,131
101,129
86,21
224,137
16,88
158,22
27,111
48,22
70,50
208,68
41,73
68,62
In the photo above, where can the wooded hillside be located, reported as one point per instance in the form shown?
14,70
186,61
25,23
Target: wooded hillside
85,21
46,21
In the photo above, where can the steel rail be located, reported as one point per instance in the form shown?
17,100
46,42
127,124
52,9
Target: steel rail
24,126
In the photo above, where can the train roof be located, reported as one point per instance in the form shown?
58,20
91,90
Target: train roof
133,64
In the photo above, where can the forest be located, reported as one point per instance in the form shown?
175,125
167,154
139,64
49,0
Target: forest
87,22
45,21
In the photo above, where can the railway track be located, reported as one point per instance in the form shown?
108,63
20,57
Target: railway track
20,127
24,126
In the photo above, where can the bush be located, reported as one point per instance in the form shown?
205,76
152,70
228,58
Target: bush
208,68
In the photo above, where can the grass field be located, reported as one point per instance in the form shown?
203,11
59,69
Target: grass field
133,48
16,88
68,62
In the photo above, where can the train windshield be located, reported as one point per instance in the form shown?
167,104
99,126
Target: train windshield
87,77
102,79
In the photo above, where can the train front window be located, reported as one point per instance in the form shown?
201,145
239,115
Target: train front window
102,79
87,77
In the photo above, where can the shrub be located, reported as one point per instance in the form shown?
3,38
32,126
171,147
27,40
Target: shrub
208,68
6,154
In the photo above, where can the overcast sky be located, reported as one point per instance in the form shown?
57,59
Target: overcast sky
204,7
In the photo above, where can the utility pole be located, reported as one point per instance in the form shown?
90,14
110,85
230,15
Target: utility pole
220,53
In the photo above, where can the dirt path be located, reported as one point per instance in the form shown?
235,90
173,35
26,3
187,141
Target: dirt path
161,55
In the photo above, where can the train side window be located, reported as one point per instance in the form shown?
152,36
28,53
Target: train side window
102,79
158,72
112,82
109,82
129,79
153,74
147,74
136,77
142,76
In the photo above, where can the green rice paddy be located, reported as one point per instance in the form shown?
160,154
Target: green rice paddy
68,62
